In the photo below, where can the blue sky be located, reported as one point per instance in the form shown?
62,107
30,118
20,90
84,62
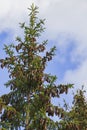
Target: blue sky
66,27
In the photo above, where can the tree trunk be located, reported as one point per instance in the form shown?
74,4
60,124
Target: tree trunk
27,115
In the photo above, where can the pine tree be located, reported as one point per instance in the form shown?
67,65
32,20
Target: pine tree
76,118
28,104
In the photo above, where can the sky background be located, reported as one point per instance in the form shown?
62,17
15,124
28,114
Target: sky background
66,27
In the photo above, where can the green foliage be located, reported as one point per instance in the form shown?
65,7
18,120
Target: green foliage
76,118
28,104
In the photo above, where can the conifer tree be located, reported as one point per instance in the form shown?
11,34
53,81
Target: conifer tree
76,118
28,104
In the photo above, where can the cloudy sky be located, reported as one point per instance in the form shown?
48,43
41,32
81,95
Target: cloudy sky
66,27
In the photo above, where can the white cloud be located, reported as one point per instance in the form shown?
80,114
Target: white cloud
77,76
13,12
67,16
